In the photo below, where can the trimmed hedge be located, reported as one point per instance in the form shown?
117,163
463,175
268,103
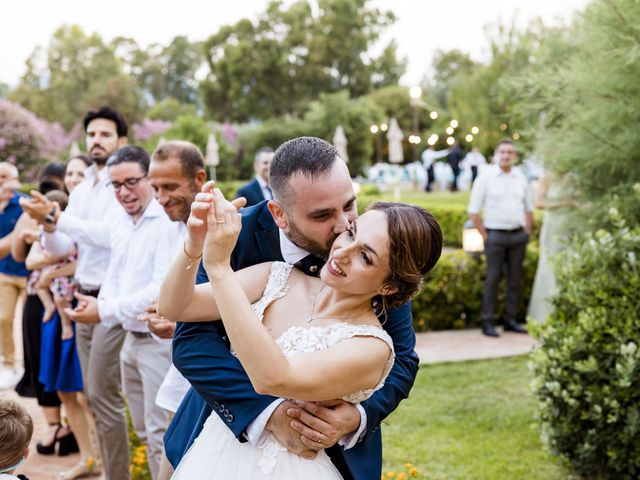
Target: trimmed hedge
451,296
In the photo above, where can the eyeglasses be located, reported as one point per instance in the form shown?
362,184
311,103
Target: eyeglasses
130,183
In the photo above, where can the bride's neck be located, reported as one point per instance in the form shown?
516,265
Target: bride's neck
330,302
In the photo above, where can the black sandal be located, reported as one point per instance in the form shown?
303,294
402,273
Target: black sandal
49,449
67,443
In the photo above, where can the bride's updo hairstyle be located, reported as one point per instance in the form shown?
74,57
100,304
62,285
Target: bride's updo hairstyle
415,245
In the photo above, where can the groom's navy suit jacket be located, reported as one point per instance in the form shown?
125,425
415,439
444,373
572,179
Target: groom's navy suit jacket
219,382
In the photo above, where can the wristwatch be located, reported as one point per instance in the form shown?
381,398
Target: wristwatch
50,219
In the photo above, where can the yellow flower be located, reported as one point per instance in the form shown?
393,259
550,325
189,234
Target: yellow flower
413,472
401,476
391,474
408,465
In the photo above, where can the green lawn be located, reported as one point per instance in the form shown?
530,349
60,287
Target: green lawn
433,199
436,199
471,420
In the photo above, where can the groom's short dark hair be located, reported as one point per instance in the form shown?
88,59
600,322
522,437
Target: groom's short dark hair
311,157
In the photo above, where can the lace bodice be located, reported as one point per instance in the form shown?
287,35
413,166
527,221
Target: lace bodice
296,340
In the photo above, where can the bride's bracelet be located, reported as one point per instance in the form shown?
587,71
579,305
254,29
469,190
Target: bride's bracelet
192,261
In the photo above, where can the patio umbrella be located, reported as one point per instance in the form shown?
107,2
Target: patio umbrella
395,136
340,142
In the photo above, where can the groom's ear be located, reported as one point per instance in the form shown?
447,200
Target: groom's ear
278,214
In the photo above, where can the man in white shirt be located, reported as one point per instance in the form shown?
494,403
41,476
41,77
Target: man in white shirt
98,345
429,156
502,193
143,241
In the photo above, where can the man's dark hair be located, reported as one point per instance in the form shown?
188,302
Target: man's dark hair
107,113
262,150
309,156
190,156
132,154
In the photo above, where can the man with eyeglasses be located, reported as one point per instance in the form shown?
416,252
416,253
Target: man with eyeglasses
98,345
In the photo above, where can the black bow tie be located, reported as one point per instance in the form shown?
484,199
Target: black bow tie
310,265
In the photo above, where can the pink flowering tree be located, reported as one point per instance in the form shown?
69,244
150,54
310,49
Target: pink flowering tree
28,141
148,128
229,133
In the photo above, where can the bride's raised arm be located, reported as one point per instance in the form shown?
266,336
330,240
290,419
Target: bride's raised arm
352,365
180,299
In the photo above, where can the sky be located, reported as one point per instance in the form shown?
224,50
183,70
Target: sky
422,26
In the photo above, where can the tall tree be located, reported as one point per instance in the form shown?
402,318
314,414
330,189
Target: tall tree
448,66
280,63
491,96
164,72
61,82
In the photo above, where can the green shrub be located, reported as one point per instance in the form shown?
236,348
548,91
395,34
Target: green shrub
451,297
452,294
588,369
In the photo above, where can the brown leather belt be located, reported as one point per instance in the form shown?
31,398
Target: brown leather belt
91,293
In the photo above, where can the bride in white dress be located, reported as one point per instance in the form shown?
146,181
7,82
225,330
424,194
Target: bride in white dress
297,337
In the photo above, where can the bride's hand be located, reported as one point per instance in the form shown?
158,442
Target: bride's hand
223,227
197,222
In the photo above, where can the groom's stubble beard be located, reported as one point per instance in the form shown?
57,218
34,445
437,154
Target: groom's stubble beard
313,247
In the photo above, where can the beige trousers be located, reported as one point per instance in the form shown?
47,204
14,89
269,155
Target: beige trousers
99,351
11,290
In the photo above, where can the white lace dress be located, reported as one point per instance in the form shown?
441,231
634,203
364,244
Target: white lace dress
217,454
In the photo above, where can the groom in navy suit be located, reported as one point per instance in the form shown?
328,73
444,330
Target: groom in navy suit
313,203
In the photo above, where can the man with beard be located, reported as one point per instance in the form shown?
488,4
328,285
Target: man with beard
176,174
313,203
98,345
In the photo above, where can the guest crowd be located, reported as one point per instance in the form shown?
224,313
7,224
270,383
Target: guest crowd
91,247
